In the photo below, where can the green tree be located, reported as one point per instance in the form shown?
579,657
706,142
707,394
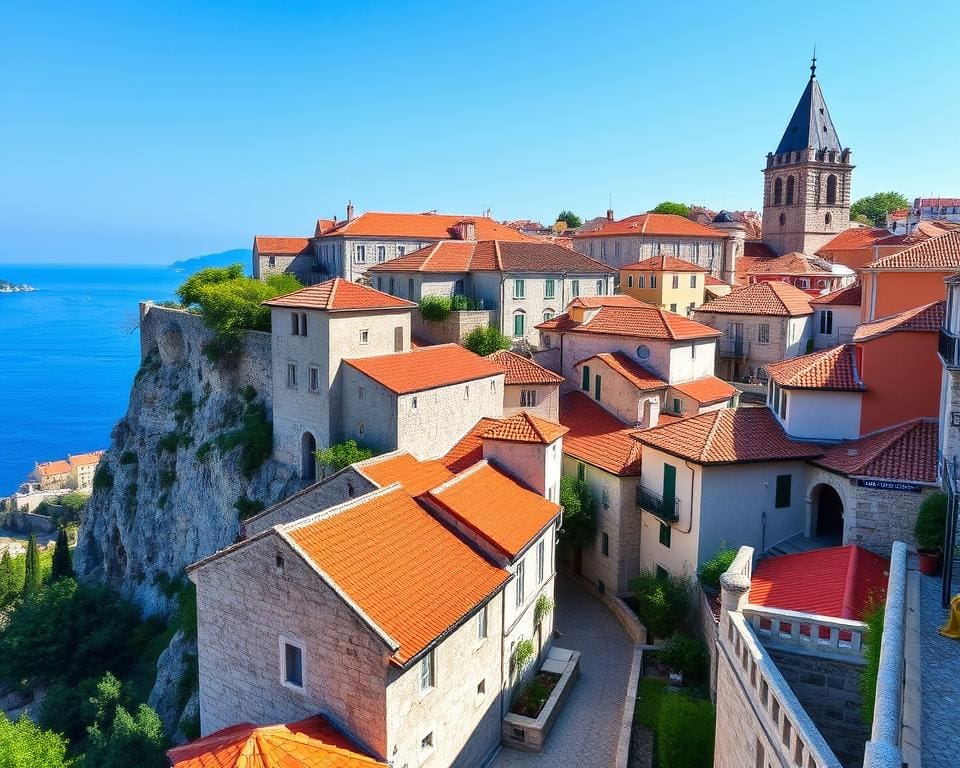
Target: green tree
32,577
876,207
711,570
931,524
662,602
25,745
570,219
677,209
62,567
485,341
117,738
340,455
579,513
685,732
10,581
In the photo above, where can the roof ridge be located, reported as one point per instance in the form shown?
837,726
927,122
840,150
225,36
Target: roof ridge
433,252
499,258
472,469
336,509
712,433
850,583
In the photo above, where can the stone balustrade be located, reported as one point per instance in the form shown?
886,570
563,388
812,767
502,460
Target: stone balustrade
807,633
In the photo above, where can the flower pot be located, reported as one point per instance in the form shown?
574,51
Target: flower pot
930,560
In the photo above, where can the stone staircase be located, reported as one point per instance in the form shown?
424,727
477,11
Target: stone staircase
800,543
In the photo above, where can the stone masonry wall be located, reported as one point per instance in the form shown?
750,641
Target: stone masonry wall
453,328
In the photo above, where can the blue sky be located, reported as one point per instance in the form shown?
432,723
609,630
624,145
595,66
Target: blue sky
148,132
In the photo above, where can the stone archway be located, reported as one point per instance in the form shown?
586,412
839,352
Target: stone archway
827,509
308,462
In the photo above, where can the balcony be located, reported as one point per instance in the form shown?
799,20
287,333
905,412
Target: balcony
667,510
737,348
949,349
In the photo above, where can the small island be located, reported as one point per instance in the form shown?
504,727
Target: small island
8,287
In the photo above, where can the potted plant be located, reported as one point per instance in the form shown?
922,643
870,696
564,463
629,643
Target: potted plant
929,531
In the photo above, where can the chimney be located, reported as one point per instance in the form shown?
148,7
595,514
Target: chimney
609,214
465,230
349,210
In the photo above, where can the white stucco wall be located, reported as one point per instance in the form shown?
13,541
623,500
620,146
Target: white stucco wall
821,415
536,465
617,394
682,554
845,321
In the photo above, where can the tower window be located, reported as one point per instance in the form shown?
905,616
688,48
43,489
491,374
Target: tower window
828,219
778,191
790,185
783,219
832,189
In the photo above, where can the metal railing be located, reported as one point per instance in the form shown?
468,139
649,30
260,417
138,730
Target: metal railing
949,349
950,544
733,348
667,510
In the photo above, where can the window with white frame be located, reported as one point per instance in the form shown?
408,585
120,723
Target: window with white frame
426,672
693,281
575,288
549,289
826,321
601,287
381,253
528,398
541,561
292,375
640,281
360,254
314,378
482,623
675,281
401,250
518,289
293,663
365,336
520,584
519,324
763,333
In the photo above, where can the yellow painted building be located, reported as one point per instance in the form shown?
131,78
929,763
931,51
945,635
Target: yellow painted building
665,281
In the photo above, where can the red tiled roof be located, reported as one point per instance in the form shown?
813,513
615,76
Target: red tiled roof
793,263
415,476
632,371
755,252
711,280
339,295
906,452
728,436
520,370
840,582
665,263
310,743
424,226
50,468
85,459
833,369
456,256
495,506
613,300
524,427
851,296
469,448
936,202
707,390
439,365
936,254
281,246
763,298
927,318
856,237
597,437
404,569
650,224
323,225
639,320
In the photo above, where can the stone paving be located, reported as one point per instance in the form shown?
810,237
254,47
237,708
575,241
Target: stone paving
586,733
940,675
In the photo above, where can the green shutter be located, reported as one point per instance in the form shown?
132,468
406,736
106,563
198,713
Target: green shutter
596,387
669,487
518,325
585,382
581,472
665,531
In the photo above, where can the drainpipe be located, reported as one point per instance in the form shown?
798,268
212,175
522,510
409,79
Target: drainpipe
692,478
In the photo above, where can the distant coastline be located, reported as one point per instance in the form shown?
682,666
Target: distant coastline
8,287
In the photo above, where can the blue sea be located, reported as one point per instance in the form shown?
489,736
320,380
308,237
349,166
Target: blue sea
68,355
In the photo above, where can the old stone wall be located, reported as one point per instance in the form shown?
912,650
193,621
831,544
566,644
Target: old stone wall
620,251
453,327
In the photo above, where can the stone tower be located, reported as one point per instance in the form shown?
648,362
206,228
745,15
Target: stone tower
806,184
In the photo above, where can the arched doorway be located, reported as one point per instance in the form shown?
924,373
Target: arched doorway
308,462
827,513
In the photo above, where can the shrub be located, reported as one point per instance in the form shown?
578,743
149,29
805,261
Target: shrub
662,602
169,442
873,618
62,567
183,407
684,654
522,655
128,457
11,579
685,730
32,577
74,501
102,478
203,450
579,513
485,341
435,309
187,609
541,609
247,508
128,739
461,303
529,702
677,209
931,521
340,455
25,745
167,478
254,437
716,566
69,709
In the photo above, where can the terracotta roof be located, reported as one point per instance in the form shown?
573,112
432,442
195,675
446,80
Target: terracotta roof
404,569
906,452
707,390
281,246
613,300
456,256
50,468
650,224
323,225
764,298
665,263
755,252
728,436
85,459
469,449
857,237
936,202
524,427
836,581
339,295
496,507
937,254
310,743
928,318
440,365
631,370
711,280
851,296
597,437
415,476
425,226
520,370
794,263
834,369
640,320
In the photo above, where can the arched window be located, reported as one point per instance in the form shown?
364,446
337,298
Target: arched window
308,461
778,191
519,324
783,219
828,219
832,189
548,314
790,183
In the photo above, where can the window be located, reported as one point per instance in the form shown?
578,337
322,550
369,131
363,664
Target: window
581,471
643,352
693,281
466,392
601,288
547,341
427,741
381,253
790,185
294,324
677,405
783,490
549,289
361,427
303,323
541,561
520,584
831,189
482,623
802,282
426,672
360,254
662,573
629,281
392,290
763,333
653,281
519,325
413,403
596,387
410,288
359,393
828,219
778,191
665,533
673,307
675,281
826,321
292,662
481,688
528,398
605,498
604,545
272,261
518,289
575,288
401,250
398,339
760,760
314,379
547,315
585,379
640,281
783,219
292,375
693,351
783,405
365,336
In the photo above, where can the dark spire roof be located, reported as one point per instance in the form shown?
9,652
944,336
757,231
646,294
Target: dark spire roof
810,126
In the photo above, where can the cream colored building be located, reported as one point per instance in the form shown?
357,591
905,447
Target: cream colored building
665,281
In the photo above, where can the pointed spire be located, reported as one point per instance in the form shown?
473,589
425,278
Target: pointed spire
813,63
810,126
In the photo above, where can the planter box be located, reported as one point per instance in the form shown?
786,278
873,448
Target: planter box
530,734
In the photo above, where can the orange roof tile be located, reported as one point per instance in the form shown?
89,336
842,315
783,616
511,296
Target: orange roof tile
641,321
339,295
711,280
469,449
794,263
425,226
834,369
310,743
763,298
907,452
651,224
496,507
281,246
85,459
928,318
440,365
851,296
524,427
415,476
665,263
629,369
755,253
50,468
856,237
935,254
836,581
707,390
613,300
457,256
404,569
597,437
521,370
728,436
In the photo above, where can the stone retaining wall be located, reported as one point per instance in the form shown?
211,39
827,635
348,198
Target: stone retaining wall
451,329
